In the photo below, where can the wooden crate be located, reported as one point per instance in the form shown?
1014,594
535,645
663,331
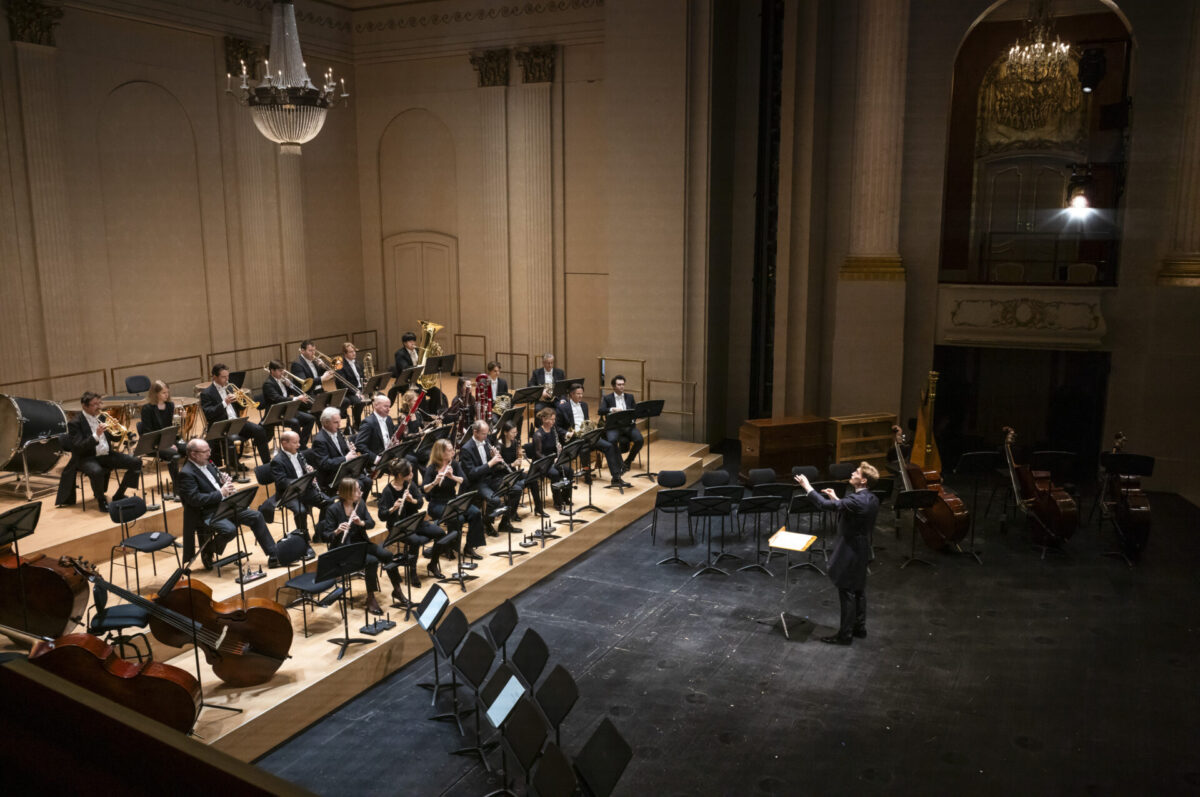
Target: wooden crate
867,435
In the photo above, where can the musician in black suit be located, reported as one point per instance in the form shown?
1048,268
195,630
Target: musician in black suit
547,440
93,451
289,465
546,375
307,366
330,449
279,388
351,372
217,400
401,498
346,522
406,357
483,467
572,412
852,549
618,401
377,429
201,490
497,383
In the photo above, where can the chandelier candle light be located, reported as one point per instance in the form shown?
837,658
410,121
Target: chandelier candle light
1033,57
287,108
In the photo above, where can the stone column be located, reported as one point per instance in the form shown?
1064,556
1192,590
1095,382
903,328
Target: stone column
531,215
493,69
1182,265
869,320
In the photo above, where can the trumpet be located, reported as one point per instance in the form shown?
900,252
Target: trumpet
240,397
304,384
115,428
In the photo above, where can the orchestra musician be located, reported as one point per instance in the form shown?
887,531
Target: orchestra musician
331,449
307,366
289,465
201,488
92,452
279,388
546,375
852,549
352,373
572,412
158,413
401,498
484,467
618,401
443,475
547,440
406,357
216,401
347,521
513,454
377,430
497,383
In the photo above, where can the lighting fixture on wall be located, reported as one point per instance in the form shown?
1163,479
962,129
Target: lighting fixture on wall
1092,66
287,108
1035,57
1079,205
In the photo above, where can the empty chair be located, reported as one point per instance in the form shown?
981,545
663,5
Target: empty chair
840,471
138,383
556,697
713,478
704,508
126,512
810,472
311,591
673,502
500,627
760,476
756,507
552,774
112,624
530,657
602,760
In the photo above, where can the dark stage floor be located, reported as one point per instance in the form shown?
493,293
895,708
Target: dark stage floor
1021,676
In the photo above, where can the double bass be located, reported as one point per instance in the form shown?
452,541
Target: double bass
1128,504
946,521
53,597
245,642
1053,515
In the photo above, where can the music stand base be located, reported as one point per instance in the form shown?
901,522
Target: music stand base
801,565
710,569
756,566
344,643
912,559
253,575
673,560
230,709
377,627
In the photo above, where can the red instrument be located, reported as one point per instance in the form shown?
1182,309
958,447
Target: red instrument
1129,505
1052,513
55,595
947,520
159,691
244,642
484,398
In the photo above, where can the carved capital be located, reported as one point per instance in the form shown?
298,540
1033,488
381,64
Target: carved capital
878,267
239,50
492,66
32,21
537,63
1181,270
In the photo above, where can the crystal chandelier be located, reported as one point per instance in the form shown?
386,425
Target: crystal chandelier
1034,57
287,108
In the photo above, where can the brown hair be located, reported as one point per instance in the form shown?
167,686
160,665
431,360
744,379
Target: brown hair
156,389
346,489
441,445
869,472
544,414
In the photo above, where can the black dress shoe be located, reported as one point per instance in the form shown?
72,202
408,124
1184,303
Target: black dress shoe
414,580
542,513
102,502
309,553
469,553
374,610
860,633
835,640
272,563
206,560
434,571
491,532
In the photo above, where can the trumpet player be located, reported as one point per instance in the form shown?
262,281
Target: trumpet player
572,413
93,451
217,403
547,375
279,388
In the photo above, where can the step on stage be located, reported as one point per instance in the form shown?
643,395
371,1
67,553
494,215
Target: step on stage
314,681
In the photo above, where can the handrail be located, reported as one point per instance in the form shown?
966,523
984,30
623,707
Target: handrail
682,385
458,361
49,393
177,376
252,365
517,378
637,389
363,348
323,342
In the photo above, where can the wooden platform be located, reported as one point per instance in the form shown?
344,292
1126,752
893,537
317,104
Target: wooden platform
313,681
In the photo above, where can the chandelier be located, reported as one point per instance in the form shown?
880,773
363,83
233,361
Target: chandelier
287,108
1034,57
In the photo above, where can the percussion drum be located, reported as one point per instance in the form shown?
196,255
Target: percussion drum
24,420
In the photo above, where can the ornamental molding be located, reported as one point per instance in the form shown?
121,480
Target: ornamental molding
482,14
1014,316
1180,270
872,268
32,21
537,63
492,67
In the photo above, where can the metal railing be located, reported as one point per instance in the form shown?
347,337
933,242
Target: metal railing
686,394
60,387
507,360
366,341
608,369
459,337
250,359
180,373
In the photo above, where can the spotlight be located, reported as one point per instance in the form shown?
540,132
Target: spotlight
1079,206
1092,66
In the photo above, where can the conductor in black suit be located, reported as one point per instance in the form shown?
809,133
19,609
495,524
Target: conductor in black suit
852,549
93,452
546,375
217,403
572,412
406,357
618,401
278,389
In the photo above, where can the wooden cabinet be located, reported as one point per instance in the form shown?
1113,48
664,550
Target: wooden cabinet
867,435
781,443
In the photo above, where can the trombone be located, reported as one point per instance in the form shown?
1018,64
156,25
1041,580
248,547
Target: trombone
304,384
333,365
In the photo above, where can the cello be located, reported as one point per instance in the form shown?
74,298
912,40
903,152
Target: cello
1051,511
1129,506
946,521
52,596
245,642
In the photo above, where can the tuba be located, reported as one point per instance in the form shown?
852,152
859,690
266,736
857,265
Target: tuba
429,348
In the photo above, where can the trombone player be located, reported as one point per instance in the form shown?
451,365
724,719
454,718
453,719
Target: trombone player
307,366
93,441
217,400
280,387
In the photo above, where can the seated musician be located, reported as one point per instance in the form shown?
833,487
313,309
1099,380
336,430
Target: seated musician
93,451
279,388
217,402
330,449
347,521
307,366
377,430
406,357
497,383
513,454
201,488
618,401
572,412
287,466
483,468
546,375
158,413
547,441
442,479
351,371
401,498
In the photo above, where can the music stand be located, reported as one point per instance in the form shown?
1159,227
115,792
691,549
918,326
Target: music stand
150,444
512,415
401,532
228,509
388,454
442,364
788,541
350,469
504,488
374,385
563,386
538,474
220,432
341,563
589,444
619,421
295,492
319,402
527,395
336,397
457,509
648,410
914,500
565,457
976,464
17,524
410,375
425,445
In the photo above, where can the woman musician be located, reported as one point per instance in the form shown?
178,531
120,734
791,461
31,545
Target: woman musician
158,413
443,475
402,498
547,441
347,521
513,455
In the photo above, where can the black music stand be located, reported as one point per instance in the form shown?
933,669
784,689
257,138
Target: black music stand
336,397
527,395
914,500
374,385
16,524
976,464
341,563
150,444
294,492
228,509
350,469
319,402
457,509
393,452
425,445
565,457
498,697
279,414
620,421
589,445
512,415
402,531
220,432
410,375
538,474
506,486
563,386
648,410
442,364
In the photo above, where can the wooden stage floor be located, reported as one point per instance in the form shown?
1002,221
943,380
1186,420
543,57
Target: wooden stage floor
313,681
